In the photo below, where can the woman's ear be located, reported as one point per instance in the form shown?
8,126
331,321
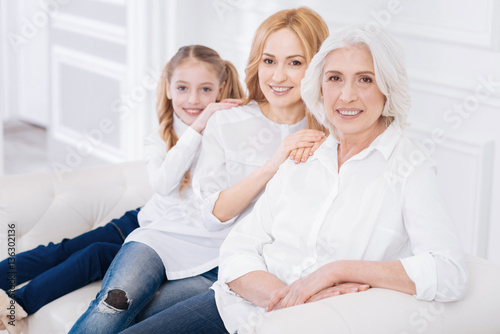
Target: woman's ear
167,90
221,89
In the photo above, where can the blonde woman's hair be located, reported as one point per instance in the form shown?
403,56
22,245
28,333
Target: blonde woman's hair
226,73
390,72
311,31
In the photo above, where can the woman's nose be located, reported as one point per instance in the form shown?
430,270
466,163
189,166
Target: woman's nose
348,93
279,74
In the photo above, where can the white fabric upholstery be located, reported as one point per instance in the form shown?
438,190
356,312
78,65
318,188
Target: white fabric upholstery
45,208
380,311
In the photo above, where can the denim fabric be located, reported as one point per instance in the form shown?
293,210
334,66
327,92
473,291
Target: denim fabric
58,269
129,284
196,315
172,292
137,271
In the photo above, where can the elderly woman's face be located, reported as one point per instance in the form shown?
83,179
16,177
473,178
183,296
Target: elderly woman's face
353,102
282,67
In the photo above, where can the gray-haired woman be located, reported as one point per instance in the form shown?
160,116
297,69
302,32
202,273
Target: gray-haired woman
365,208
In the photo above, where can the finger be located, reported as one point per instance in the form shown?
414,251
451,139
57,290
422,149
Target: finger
292,154
323,295
315,147
237,101
306,154
278,296
220,106
298,156
307,137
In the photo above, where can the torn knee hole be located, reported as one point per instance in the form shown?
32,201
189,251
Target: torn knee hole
117,299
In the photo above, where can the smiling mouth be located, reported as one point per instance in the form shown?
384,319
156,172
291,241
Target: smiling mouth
193,111
349,112
280,89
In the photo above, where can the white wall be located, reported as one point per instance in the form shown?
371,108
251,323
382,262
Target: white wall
99,55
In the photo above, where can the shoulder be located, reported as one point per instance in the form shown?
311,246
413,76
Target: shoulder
236,114
408,151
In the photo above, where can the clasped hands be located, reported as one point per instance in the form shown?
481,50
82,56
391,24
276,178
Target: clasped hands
316,286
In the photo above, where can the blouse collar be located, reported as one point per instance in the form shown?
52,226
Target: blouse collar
179,125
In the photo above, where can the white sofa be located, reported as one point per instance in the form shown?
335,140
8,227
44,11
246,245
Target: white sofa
46,207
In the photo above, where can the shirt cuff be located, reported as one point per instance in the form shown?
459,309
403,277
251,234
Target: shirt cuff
190,138
212,223
421,269
241,266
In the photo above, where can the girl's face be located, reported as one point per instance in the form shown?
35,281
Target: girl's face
193,86
353,102
282,67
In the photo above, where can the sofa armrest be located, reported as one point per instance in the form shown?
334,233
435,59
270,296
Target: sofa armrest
46,207
392,312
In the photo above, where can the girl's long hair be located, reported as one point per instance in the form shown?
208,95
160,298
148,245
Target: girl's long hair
226,73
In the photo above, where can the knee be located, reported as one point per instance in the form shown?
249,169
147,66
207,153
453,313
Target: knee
116,300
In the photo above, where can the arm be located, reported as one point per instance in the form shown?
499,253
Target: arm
436,271
233,200
166,169
242,266
257,287
438,264
377,274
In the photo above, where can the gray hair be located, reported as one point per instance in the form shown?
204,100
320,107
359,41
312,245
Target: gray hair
388,62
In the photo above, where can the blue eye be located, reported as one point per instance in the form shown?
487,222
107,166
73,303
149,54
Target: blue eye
268,61
206,89
182,88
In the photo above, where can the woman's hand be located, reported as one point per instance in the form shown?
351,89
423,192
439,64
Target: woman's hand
337,290
306,138
200,122
302,154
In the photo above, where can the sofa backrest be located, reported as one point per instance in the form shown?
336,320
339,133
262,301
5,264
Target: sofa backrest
44,207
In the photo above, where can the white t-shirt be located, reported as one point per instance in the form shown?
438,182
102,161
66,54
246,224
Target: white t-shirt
183,231
382,205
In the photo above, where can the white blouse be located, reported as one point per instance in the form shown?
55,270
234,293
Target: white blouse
382,205
183,231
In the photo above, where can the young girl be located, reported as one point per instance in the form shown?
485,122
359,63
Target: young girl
190,86
191,83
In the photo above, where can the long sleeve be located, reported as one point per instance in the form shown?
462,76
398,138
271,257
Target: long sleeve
242,251
211,176
438,266
166,169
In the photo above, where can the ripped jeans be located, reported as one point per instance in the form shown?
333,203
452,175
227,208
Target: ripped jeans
131,282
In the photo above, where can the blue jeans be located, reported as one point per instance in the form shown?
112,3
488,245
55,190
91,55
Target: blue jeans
131,282
196,315
58,269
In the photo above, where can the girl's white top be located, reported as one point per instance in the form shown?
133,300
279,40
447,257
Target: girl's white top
183,230
383,204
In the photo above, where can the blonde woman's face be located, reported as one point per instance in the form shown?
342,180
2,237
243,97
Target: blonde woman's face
193,86
282,67
353,102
